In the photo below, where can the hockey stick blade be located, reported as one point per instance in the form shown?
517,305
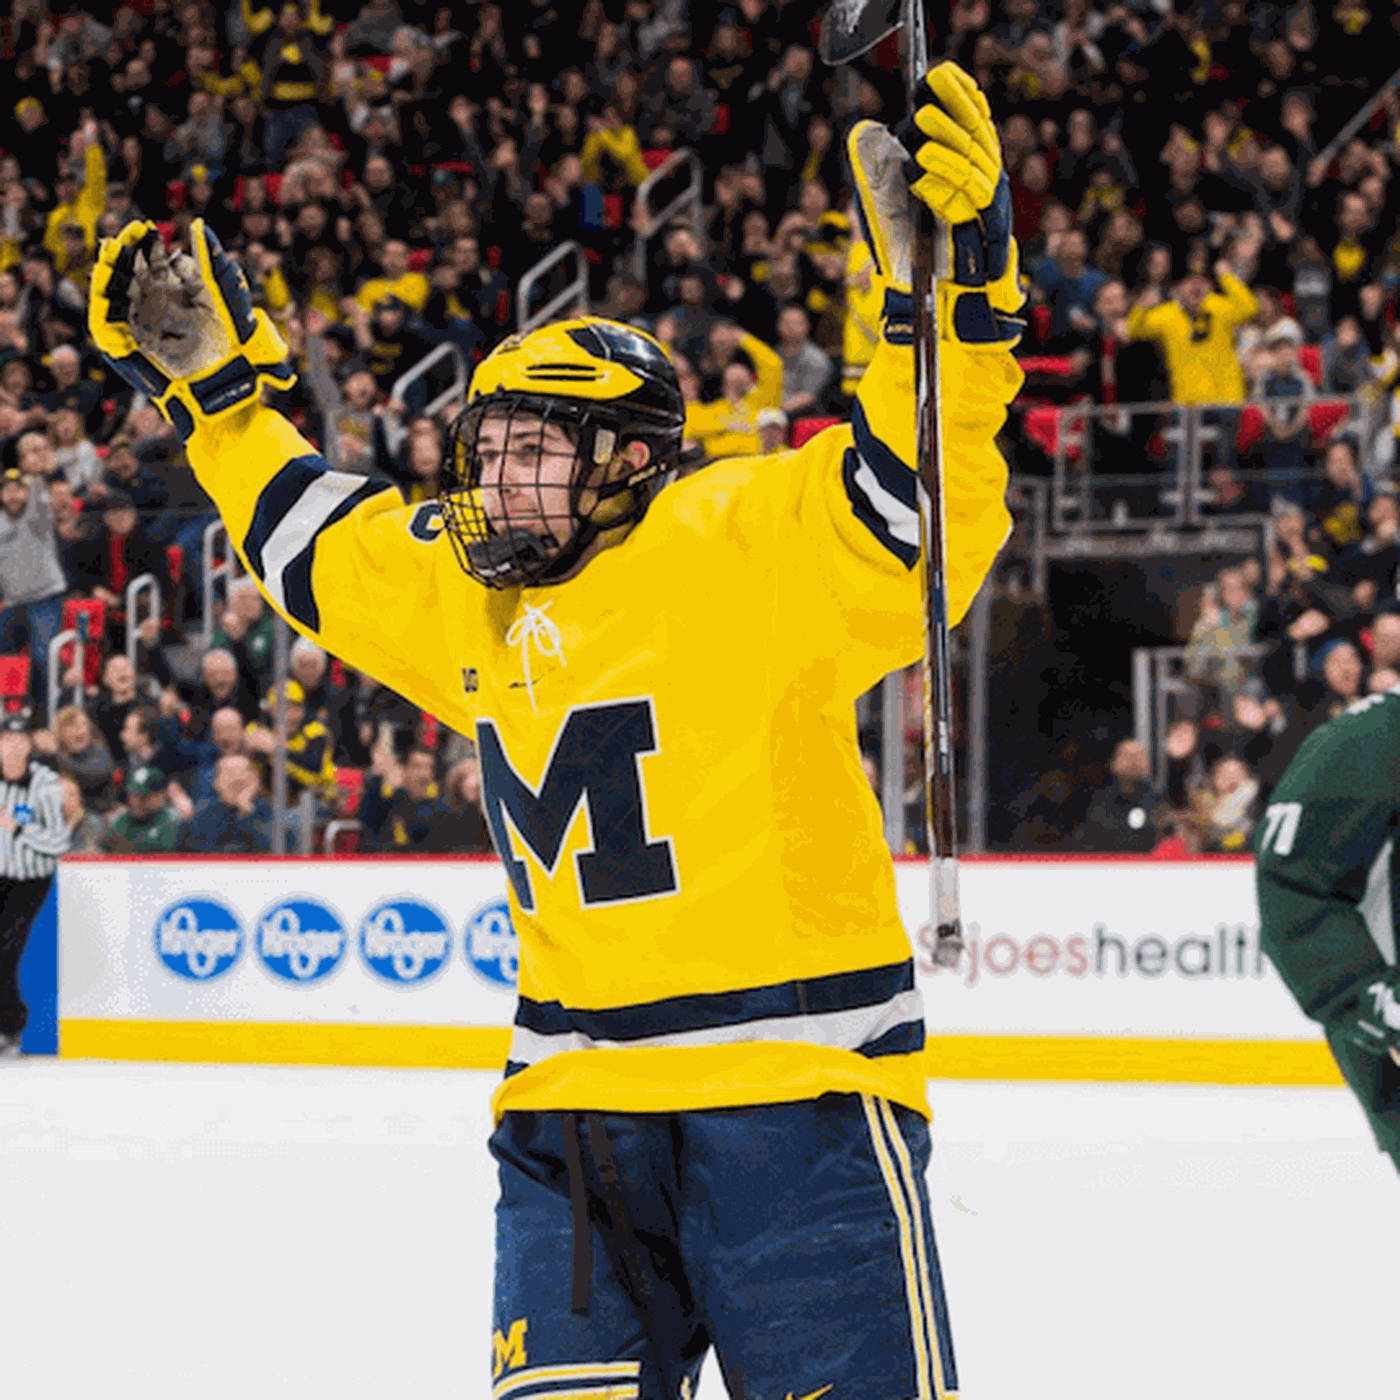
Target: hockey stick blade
853,27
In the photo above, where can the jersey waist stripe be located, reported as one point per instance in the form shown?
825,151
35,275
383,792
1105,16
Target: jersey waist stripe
838,991
841,1030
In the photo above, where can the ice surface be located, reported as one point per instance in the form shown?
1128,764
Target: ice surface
212,1232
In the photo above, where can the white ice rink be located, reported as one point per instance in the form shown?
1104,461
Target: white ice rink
211,1233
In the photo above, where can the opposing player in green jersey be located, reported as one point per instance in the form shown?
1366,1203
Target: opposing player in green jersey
1329,890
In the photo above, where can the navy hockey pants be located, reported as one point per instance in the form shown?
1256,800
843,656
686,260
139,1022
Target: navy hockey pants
793,1238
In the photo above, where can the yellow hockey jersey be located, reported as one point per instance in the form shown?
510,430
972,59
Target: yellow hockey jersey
704,900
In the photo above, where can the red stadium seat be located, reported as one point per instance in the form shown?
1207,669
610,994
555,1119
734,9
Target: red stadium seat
351,782
1251,427
14,679
1324,416
1040,323
807,428
1049,366
657,156
273,181
94,610
1310,359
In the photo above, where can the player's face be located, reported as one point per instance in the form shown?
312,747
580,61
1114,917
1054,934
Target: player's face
527,469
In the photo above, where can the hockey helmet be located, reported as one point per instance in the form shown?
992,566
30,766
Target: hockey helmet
589,387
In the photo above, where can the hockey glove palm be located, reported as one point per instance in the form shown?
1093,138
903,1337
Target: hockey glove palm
182,328
956,171
1374,1023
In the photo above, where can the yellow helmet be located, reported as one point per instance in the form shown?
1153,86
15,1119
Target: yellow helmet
607,385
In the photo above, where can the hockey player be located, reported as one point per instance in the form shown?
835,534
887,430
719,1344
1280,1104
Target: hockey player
712,1128
1329,892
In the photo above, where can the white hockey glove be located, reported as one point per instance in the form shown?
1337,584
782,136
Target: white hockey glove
956,171
182,328
1374,1023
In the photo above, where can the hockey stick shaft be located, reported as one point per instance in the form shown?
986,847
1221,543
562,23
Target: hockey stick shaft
940,779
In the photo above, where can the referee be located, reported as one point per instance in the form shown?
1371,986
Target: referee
33,834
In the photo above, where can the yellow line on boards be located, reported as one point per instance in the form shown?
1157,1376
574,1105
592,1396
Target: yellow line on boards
1120,1058
1030,1057
286,1043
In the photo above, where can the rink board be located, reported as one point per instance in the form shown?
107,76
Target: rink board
1075,969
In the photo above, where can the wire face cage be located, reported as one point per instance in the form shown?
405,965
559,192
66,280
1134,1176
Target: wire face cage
512,485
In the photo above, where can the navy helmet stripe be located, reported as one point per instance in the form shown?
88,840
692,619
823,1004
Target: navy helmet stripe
842,991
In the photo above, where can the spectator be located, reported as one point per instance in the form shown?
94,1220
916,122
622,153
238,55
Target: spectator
119,553
236,819
772,430
1122,815
464,829
1339,502
75,457
1287,394
1372,567
309,666
1385,652
1217,654
32,581
1064,281
806,370
79,752
72,389
728,426
246,631
1196,332
307,743
402,807
224,736
86,830
223,685
1226,808
146,825
119,696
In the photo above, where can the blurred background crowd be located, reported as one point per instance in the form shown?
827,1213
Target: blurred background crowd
1206,555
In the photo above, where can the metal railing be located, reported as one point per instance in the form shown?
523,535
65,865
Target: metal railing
571,297
456,390
77,638
147,586
219,564
1146,478
1163,693
689,199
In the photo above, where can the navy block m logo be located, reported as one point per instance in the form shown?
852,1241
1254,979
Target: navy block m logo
594,763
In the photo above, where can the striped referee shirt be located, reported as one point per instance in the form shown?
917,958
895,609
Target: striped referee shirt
31,851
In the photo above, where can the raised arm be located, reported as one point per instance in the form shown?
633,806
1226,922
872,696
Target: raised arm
339,556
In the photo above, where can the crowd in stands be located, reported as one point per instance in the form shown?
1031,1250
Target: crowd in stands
387,172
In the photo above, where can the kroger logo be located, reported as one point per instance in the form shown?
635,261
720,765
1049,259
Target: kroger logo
199,938
405,941
491,945
301,940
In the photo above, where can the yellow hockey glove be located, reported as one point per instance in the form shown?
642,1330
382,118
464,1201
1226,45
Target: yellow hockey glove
956,170
182,328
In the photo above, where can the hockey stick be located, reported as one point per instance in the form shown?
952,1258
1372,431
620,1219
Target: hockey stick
849,29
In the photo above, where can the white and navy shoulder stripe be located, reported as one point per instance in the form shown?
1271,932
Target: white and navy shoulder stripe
303,499
882,490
